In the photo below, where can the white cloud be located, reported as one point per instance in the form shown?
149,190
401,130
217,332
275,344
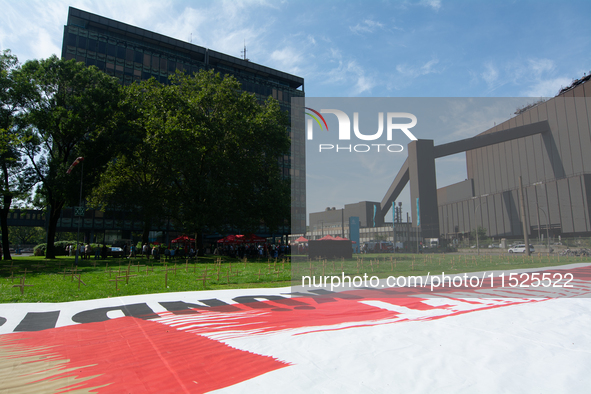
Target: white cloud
490,75
367,26
288,59
434,4
350,72
547,87
533,77
414,71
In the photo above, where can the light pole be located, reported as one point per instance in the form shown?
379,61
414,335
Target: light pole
476,222
547,228
547,220
79,214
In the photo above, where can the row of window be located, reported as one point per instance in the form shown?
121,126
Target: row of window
25,216
89,44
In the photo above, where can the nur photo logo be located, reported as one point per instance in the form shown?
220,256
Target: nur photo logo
344,130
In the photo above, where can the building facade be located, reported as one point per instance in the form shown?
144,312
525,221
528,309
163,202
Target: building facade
134,54
555,169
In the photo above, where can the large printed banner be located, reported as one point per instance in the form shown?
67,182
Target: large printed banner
281,340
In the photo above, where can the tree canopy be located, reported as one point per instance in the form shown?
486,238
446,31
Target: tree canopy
208,156
198,151
15,176
71,115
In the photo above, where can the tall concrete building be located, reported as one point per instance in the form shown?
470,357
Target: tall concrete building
133,54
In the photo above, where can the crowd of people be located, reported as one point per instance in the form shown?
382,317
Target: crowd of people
261,250
158,251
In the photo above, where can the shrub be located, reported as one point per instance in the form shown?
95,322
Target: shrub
39,250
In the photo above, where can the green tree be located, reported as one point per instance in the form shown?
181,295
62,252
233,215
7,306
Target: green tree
137,180
481,234
15,175
21,235
229,174
73,115
208,156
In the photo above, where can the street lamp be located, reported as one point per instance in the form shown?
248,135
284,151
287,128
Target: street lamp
76,162
476,221
547,219
547,228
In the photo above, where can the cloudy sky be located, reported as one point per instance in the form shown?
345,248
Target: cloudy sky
405,48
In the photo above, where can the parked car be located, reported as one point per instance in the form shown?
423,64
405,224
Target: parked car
520,248
115,251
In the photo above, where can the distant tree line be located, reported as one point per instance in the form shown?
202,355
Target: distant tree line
198,151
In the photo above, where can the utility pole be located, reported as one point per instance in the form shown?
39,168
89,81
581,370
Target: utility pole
79,211
523,217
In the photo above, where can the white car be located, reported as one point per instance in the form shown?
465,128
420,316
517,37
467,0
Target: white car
521,249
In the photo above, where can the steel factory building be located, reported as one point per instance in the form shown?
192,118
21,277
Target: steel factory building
547,145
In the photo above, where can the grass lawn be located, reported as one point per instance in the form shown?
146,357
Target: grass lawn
58,280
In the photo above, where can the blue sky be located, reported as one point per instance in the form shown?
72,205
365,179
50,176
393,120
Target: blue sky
418,48
407,48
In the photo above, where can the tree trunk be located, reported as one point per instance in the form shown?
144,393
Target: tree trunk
146,232
54,215
199,243
4,227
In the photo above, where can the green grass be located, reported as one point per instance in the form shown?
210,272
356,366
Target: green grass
53,280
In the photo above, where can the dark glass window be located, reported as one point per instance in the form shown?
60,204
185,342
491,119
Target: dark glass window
82,42
90,62
121,52
146,60
91,44
102,47
100,65
138,56
171,66
111,50
129,55
155,62
71,39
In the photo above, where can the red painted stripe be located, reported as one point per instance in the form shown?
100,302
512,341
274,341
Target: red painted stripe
136,356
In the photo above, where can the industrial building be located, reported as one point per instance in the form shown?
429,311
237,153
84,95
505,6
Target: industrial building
553,160
546,144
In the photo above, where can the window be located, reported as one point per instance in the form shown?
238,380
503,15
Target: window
129,55
71,39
